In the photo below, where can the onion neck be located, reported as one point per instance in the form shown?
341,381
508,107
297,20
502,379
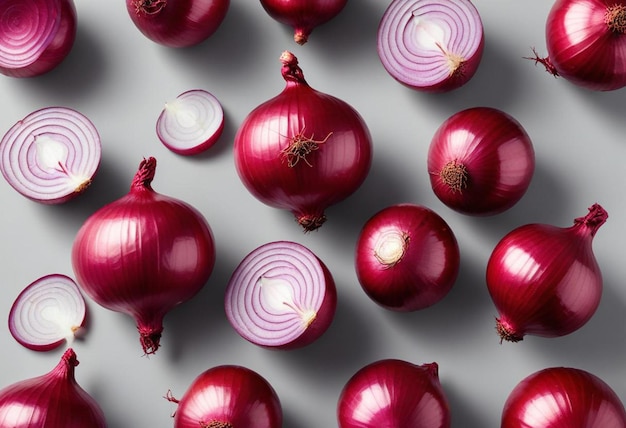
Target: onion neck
454,175
149,7
595,218
290,70
391,247
65,367
615,18
144,175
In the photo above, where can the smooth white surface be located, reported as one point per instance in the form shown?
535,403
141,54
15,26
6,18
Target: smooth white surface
121,80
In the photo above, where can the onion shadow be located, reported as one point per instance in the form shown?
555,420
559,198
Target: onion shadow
462,414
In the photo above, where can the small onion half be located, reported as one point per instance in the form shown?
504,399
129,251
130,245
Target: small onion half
281,296
191,123
48,312
431,45
51,155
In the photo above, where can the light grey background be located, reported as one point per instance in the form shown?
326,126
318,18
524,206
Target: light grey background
121,80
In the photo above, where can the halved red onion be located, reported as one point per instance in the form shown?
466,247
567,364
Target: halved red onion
49,311
51,155
281,296
431,45
191,123
35,35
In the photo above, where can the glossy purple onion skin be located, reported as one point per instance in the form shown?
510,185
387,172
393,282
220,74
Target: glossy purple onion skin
426,271
329,174
59,44
585,50
498,157
394,393
229,396
303,16
143,255
563,397
177,23
545,280
53,400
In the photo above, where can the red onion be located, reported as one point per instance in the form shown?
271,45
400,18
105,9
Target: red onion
191,123
431,45
586,43
51,155
35,36
480,161
303,16
228,396
563,397
144,254
53,400
281,296
48,312
177,23
407,257
302,150
545,280
394,393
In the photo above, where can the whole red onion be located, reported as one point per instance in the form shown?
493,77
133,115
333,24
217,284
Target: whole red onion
407,257
544,280
586,41
563,397
35,36
302,150
53,400
144,254
394,393
228,396
303,16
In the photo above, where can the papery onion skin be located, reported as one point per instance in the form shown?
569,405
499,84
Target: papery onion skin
586,42
545,280
563,397
480,161
407,257
302,150
143,255
177,23
394,393
290,272
35,36
52,400
229,396
51,155
39,331
431,45
303,16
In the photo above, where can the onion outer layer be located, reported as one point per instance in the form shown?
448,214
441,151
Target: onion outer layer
544,280
281,296
431,45
563,397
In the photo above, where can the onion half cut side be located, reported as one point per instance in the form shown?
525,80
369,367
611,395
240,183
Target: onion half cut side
51,155
431,45
191,123
281,296
48,312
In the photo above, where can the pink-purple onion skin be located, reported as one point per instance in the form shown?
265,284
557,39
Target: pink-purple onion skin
177,23
586,42
407,257
228,396
394,393
563,397
35,36
52,400
481,161
302,150
431,45
143,255
545,280
303,16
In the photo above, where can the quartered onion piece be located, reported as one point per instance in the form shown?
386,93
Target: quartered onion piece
48,312
51,155
191,123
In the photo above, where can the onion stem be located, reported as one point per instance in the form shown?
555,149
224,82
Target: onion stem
454,174
615,18
149,7
391,247
300,147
